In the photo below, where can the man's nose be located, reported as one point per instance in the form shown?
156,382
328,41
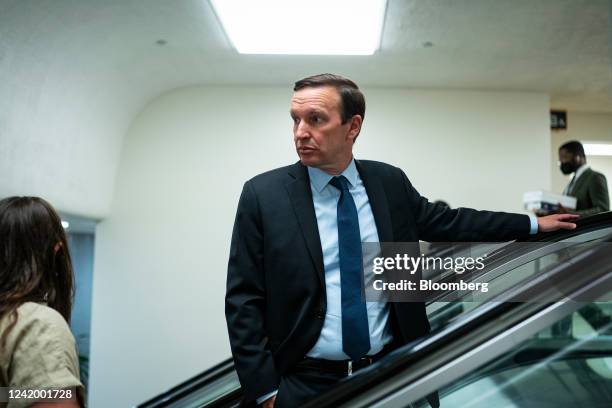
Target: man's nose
302,131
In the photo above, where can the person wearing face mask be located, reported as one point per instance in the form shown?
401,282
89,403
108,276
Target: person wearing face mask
588,186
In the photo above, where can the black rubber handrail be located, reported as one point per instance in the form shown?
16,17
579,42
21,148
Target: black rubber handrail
191,385
413,357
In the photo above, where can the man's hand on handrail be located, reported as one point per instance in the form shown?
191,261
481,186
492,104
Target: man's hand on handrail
556,222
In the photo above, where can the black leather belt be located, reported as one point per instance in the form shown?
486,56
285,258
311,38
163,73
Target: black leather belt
341,367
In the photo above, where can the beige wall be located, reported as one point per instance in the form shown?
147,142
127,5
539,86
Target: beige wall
584,127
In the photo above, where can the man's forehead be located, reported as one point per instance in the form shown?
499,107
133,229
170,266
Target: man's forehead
325,97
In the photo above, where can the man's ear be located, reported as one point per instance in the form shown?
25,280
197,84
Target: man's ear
355,127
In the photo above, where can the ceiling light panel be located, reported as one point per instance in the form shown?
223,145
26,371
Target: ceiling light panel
598,149
314,27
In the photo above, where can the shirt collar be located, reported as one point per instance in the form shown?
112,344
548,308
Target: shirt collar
581,170
319,179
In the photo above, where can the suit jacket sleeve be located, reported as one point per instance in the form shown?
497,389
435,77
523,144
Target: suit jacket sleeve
438,223
245,301
598,192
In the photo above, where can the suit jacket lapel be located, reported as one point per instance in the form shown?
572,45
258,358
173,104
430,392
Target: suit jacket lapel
378,202
298,188
581,182
300,194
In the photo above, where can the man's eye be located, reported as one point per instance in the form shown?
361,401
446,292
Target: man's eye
316,119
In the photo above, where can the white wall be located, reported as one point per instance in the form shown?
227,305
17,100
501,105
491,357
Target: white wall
73,74
584,127
161,255
474,149
61,121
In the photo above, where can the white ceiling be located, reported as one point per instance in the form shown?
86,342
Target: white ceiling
557,46
74,73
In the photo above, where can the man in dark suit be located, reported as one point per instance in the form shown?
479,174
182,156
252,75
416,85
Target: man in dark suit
588,186
294,312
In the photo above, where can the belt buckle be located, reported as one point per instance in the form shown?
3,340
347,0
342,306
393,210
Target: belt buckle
368,360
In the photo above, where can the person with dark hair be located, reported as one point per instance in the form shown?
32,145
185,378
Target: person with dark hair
296,321
37,349
588,186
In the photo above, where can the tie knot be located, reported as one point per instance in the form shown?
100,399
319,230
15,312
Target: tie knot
340,182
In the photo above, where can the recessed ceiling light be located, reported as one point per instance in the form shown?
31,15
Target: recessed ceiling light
315,27
598,149
65,224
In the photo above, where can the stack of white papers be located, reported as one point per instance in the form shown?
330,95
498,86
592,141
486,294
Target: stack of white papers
547,201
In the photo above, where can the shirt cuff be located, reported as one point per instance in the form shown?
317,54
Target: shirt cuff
265,397
533,220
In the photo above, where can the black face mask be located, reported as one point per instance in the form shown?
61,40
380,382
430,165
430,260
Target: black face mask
567,168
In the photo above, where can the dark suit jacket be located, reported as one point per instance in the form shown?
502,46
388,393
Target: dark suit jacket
275,300
591,192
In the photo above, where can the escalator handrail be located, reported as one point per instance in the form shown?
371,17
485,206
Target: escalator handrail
212,374
225,367
413,353
507,256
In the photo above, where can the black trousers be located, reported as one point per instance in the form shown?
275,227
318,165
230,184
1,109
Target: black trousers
304,383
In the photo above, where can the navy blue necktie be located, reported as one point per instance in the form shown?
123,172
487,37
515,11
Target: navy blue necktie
355,332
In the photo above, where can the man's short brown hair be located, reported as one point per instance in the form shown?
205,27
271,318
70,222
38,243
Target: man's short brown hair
351,98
